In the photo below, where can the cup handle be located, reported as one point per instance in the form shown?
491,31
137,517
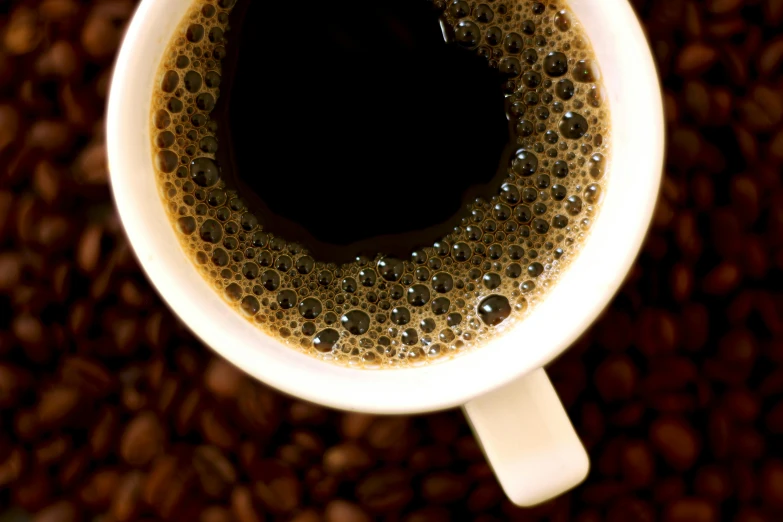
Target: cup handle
528,439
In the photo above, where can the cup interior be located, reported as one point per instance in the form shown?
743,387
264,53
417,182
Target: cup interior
634,98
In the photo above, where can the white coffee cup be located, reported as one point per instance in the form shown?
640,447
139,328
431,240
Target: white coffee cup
502,387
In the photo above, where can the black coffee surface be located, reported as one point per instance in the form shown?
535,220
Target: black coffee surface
353,127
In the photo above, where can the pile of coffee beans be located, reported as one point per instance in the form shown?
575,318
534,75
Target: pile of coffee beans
110,411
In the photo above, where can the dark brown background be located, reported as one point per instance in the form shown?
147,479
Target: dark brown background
108,406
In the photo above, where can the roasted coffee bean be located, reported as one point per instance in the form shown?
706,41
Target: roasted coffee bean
99,489
142,440
346,460
675,441
216,473
277,487
384,490
242,506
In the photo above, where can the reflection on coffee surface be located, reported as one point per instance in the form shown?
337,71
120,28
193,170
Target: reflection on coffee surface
381,184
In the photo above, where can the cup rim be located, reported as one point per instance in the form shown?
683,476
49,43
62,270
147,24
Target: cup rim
407,390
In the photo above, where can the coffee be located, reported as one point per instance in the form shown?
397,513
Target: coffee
381,185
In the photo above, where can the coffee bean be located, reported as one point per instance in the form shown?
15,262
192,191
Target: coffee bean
430,457
386,431
166,485
601,493
384,490
62,511
616,378
277,487
721,279
259,407
346,459
52,451
126,502
429,514
762,110
750,514
696,58
675,441
637,463
101,33
142,440
216,473
443,487
343,511
354,425
691,510
305,413
57,405
216,428
668,489
33,491
693,23
321,486
23,34
14,382
772,484
87,375
11,466
242,506
713,483
216,514
630,508
223,379
99,489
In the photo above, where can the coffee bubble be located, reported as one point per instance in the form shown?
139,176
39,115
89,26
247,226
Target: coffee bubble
573,125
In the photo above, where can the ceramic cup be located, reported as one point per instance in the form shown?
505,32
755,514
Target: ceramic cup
502,386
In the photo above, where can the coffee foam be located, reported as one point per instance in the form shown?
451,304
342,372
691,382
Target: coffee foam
476,283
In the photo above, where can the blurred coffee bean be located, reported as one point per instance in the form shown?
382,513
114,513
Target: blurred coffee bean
676,441
695,59
637,463
56,405
216,473
616,378
384,490
99,489
222,378
343,511
23,34
629,508
484,496
354,425
443,487
33,491
429,514
772,484
126,502
691,509
102,29
713,483
62,511
242,506
277,487
142,440
346,460
216,514
387,431
430,457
